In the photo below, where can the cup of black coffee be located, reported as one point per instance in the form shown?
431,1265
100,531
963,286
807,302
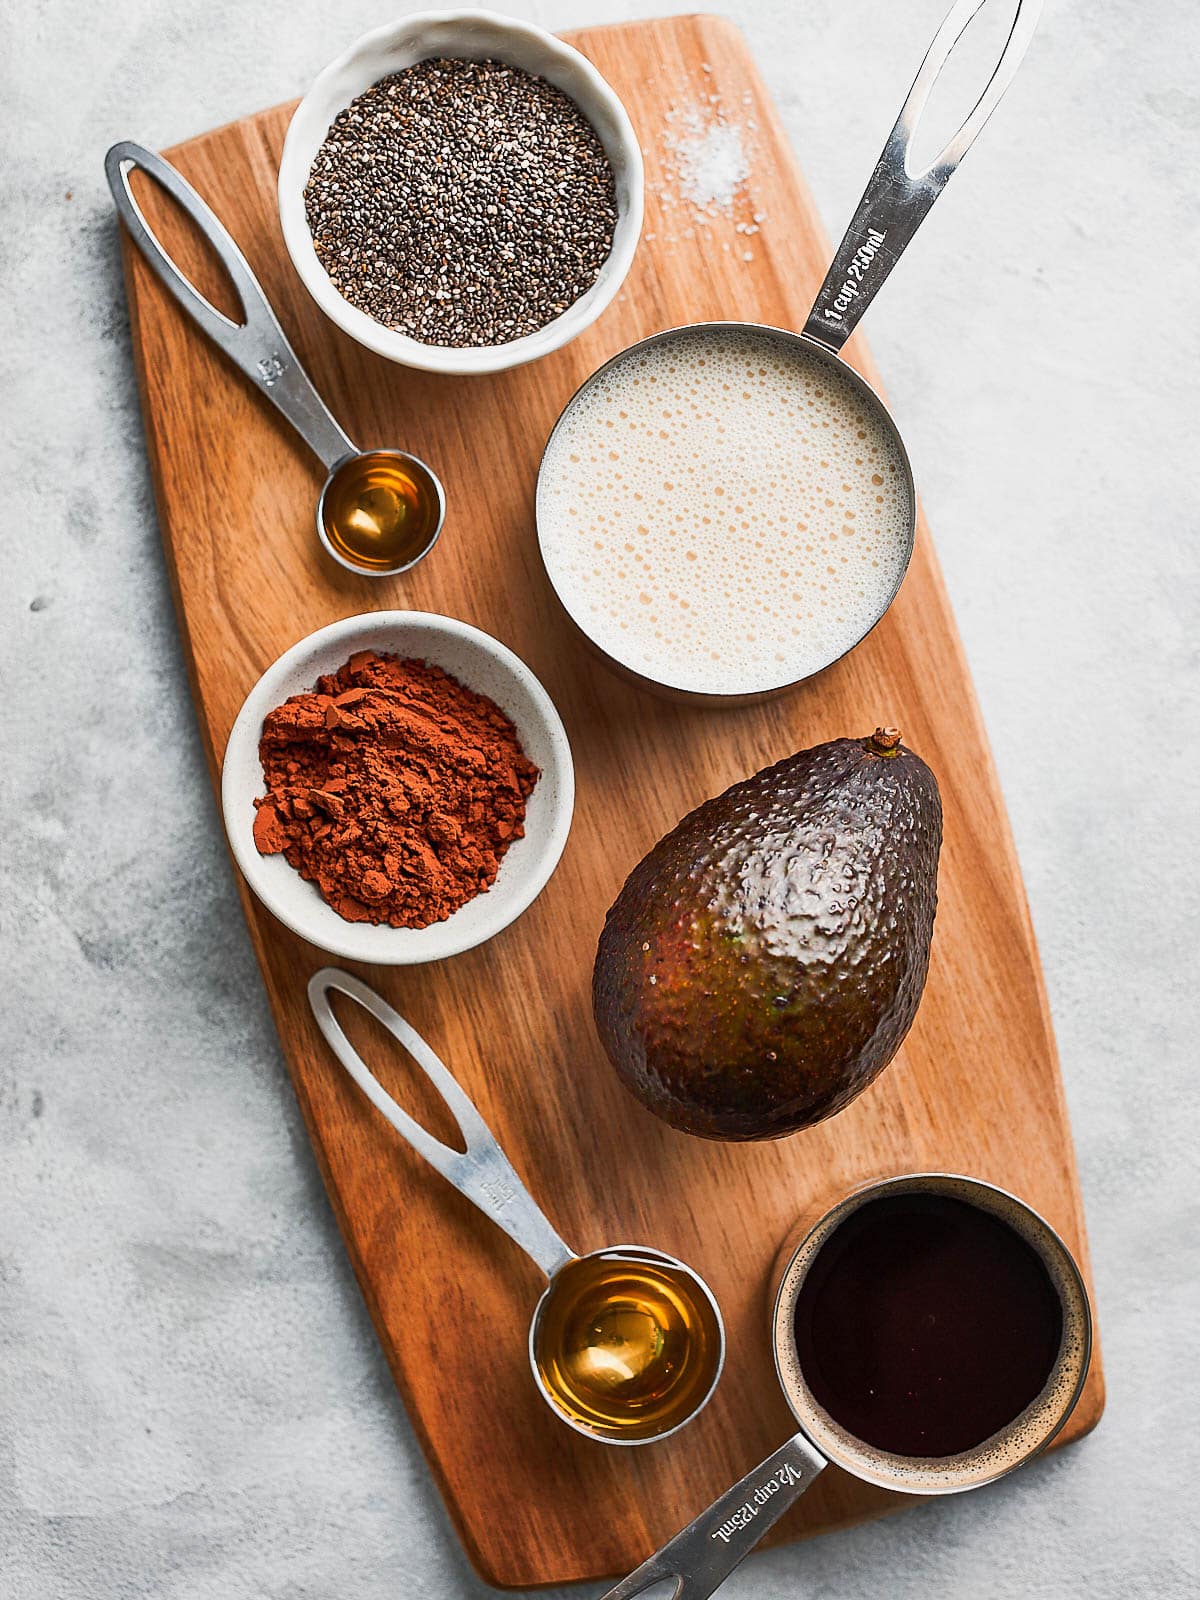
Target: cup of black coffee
931,1333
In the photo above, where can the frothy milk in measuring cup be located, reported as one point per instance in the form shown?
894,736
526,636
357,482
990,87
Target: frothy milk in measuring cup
722,512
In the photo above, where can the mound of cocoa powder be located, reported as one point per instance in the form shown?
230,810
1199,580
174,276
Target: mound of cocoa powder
393,788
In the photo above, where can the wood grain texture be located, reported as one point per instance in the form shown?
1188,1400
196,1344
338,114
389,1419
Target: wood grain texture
976,1088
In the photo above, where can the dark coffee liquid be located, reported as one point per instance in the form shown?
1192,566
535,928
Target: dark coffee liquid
924,1325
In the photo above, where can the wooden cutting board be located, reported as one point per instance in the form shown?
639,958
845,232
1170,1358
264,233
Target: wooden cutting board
976,1089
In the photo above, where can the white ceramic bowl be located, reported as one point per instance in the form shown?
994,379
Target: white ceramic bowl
468,35
481,663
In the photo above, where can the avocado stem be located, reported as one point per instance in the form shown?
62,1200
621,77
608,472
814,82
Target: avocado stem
884,742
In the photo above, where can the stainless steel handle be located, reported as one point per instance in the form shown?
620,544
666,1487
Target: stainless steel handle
897,201
703,1555
483,1172
257,345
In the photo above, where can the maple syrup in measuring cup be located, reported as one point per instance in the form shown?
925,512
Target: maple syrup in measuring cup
625,1343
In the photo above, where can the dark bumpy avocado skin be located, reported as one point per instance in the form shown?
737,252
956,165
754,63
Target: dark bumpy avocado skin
764,962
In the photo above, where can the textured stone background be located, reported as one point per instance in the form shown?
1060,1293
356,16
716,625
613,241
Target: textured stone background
192,1403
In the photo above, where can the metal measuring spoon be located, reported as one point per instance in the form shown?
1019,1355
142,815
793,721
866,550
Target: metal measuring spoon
581,1364
380,511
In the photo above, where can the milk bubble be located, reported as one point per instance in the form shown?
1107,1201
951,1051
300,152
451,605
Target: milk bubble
723,512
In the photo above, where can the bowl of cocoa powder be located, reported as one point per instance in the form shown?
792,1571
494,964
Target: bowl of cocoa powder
397,788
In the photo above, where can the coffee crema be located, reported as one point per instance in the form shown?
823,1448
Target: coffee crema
723,512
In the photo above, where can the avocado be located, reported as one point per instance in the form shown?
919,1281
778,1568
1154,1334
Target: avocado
764,961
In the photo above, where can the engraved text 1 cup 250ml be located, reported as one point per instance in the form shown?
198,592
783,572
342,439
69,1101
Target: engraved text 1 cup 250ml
726,509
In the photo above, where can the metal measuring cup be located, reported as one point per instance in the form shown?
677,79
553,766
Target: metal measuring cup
486,1177
894,204
259,347
702,1556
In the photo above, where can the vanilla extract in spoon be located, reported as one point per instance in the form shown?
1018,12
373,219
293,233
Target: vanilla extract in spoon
380,511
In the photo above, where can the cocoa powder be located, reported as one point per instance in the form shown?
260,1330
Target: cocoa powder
393,788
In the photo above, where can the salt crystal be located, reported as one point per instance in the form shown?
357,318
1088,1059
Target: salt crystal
710,161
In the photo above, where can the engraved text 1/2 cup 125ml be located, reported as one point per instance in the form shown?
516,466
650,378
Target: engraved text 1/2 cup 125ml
700,1557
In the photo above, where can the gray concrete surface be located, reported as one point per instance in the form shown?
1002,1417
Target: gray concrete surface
192,1404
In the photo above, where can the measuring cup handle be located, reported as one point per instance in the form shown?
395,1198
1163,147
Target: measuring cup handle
483,1172
258,345
703,1555
896,201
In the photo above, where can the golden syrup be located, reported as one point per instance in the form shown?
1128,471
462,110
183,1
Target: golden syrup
381,510
626,1346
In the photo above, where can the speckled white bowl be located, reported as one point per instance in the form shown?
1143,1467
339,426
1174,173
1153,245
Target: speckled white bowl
481,663
472,36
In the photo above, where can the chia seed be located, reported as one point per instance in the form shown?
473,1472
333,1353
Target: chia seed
463,203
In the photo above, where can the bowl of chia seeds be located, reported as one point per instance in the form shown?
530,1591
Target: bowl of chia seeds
461,192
